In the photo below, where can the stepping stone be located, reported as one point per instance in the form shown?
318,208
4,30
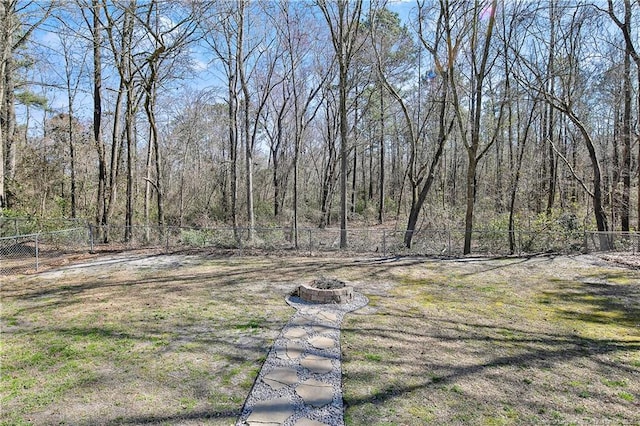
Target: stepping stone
303,320
294,349
271,412
308,422
315,393
322,342
323,329
317,364
280,377
295,333
329,316
312,311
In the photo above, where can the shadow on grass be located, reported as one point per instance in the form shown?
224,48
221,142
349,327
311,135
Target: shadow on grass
597,302
534,349
434,354
513,261
537,350
176,419
169,281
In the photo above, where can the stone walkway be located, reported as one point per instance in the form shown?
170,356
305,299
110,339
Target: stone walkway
300,383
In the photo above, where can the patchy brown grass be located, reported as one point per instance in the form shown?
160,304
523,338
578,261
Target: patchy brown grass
510,341
166,339
179,340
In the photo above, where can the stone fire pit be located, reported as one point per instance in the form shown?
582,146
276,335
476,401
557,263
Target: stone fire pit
325,290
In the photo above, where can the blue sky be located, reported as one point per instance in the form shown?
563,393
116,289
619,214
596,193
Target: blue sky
48,42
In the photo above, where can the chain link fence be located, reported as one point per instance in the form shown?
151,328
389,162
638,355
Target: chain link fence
11,226
31,252
624,242
25,253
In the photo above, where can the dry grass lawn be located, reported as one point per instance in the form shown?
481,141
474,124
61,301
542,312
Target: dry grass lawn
179,339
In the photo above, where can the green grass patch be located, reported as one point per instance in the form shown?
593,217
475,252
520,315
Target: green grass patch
188,404
615,383
373,357
252,324
422,413
626,396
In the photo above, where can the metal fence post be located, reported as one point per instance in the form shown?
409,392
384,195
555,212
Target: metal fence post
384,243
37,253
519,243
586,242
91,237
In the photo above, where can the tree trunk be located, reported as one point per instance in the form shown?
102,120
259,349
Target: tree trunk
9,117
381,165
148,178
72,157
354,179
328,179
117,146
516,175
470,197
344,22
233,146
599,213
101,199
478,77
158,164
276,186
630,50
296,160
344,131
626,144
246,129
131,146
548,118
275,156
5,51
418,197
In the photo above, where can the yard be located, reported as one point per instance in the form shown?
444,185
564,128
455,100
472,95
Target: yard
179,339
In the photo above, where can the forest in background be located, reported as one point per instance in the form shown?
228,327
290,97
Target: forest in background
456,114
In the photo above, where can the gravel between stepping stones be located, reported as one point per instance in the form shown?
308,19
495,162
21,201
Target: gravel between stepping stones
274,391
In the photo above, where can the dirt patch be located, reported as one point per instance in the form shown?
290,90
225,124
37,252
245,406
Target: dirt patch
624,259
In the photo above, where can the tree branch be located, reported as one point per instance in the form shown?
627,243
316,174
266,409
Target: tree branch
573,172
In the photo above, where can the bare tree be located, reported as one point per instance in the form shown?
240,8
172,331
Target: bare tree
276,127
343,19
74,57
221,23
630,52
91,14
421,168
166,42
573,86
302,85
18,22
120,28
260,55
329,159
471,130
